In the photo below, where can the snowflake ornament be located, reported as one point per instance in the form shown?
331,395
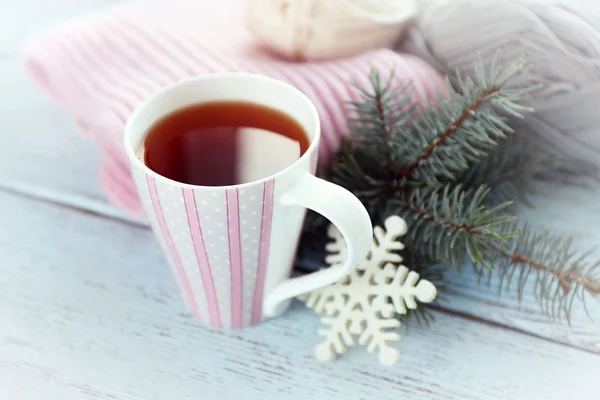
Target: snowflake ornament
364,303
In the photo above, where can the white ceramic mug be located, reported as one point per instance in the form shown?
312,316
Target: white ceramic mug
232,248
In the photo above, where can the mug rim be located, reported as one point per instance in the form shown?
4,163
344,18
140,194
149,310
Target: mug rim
130,151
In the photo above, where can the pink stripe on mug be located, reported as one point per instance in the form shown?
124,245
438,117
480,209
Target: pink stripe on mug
235,256
264,243
193,218
157,209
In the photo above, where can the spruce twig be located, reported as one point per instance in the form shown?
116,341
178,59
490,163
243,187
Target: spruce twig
441,138
466,127
380,117
453,173
559,272
447,222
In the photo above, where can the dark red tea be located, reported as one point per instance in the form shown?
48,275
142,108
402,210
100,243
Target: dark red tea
223,143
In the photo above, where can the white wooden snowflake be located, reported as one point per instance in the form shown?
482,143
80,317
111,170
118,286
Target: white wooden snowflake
364,303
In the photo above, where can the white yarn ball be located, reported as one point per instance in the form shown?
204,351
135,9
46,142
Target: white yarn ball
328,29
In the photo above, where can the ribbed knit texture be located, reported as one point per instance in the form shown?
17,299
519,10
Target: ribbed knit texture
560,38
100,68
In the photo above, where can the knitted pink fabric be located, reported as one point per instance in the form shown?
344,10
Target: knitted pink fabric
100,68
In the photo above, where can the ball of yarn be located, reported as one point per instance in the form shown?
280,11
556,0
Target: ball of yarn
560,38
317,29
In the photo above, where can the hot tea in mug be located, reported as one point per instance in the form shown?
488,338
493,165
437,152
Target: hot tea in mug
223,143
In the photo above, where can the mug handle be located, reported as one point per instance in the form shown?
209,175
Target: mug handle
351,218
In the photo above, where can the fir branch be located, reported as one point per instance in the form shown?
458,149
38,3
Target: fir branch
465,128
447,222
451,128
559,272
379,117
448,173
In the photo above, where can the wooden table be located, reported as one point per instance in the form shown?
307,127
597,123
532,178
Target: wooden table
88,309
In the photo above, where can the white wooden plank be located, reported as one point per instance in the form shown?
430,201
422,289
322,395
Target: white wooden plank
39,142
88,310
